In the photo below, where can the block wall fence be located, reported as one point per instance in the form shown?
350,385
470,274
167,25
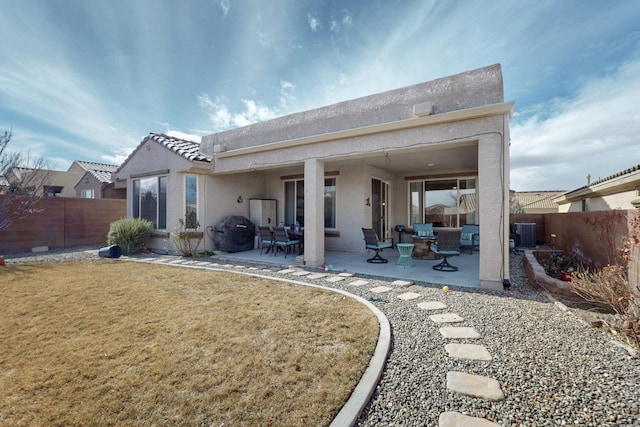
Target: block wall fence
63,222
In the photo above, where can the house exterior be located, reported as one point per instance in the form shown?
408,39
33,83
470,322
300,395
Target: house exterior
82,179
56,183
376,161
618,191
96,182
534,202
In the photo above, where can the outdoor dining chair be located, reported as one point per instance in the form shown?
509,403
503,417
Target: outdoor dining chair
266,238
448,244
282,240
374,243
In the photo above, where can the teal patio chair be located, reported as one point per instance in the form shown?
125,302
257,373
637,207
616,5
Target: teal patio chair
372,242
423,230
470,237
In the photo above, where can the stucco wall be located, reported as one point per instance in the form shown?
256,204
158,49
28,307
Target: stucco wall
466,90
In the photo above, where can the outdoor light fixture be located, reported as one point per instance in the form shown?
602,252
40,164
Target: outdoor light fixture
367,201
239,199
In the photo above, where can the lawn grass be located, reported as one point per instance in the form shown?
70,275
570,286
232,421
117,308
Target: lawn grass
111,342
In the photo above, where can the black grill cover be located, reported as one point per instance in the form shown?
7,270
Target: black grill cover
234,234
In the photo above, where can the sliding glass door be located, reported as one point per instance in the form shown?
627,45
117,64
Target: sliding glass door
447,202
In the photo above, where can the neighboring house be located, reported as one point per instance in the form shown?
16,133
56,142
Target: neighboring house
618,191
375,161
58,183
534,202
64,183
96,182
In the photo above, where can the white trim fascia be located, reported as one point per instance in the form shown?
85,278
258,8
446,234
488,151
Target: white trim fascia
452,116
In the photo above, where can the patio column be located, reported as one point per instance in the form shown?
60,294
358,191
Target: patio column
493,208
314,212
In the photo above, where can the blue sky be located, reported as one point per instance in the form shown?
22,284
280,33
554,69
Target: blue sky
88,79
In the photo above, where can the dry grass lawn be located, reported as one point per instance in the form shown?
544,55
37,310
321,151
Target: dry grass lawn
110,342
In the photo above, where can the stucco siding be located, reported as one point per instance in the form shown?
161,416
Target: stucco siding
466,90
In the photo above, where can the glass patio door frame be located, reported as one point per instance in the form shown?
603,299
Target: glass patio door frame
380,207
418,198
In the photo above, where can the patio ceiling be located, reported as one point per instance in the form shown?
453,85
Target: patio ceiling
425,160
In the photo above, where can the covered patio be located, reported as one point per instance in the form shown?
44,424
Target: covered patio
356,262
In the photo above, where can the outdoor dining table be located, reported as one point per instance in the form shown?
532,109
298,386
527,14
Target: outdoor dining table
422,248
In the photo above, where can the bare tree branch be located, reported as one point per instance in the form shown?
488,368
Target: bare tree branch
22,181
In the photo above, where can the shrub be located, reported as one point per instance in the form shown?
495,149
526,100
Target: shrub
607,288
131,234
186,236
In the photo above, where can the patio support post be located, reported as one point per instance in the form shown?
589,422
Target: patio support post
493,207
314,212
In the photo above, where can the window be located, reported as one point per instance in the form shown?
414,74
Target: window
446,202
88,194
150,200
294,202
190,201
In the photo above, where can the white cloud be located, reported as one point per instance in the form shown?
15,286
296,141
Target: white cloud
184,135
224,5
314,23
222,118
595,132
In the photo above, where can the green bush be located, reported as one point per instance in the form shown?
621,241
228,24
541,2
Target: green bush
131,234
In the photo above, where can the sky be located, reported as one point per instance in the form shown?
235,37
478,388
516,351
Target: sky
89,79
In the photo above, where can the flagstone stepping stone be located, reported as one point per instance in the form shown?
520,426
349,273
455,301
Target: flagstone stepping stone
402,283
381,289
456,419
316,276
287,271
334,279
253,268
459,332
345,274
432,305
227,265
409,296
474,386
358,282
239,267
468,351
446,318
301,273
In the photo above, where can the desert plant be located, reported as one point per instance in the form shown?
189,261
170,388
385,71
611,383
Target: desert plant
607,288
610,288
186,236
131,234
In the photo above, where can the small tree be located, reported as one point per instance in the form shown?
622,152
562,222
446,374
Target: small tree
22,180
186,236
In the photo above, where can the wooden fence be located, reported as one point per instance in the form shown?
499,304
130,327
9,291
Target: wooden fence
63,222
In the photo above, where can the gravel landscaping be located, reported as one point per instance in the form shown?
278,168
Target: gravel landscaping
552,367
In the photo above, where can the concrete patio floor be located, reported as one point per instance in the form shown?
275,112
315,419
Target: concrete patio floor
356,262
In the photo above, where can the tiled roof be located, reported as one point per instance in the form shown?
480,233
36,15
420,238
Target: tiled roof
102,176
537,199
188,149
101,171
607,183
616,175
92,166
